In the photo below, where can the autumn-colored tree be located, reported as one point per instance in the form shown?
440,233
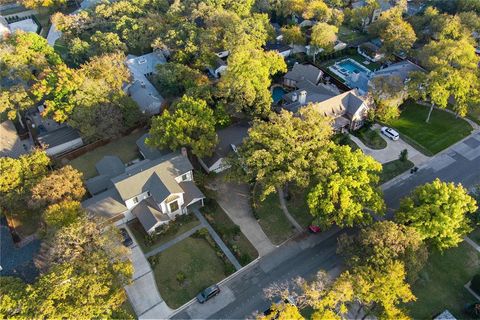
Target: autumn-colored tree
63,214
62,184
191,124
438,211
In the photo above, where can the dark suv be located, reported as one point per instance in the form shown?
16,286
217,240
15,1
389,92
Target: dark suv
127,240
208,293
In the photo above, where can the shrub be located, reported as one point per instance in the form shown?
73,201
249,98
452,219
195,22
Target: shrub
181,277
475,284
403,155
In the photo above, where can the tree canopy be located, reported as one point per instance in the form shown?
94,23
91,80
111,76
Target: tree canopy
438,211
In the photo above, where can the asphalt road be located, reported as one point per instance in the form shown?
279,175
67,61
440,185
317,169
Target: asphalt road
248,287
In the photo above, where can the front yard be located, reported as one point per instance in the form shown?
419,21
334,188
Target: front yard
371,138
272,219
181,225
186,268
442,131
125,148
230,233
394,168
298,207
441,283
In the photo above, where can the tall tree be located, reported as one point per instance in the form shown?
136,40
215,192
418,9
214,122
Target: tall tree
245,85
191,124
62,184
63,214
348,193
293,35
388,93
174,79
284,150
439,212
323,37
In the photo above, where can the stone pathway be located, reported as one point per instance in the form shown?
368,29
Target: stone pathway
283,205
472,243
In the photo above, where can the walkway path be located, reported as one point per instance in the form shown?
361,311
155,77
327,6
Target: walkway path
472,243
217,239
170,243
283,205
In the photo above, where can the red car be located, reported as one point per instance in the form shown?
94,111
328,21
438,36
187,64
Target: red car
314,229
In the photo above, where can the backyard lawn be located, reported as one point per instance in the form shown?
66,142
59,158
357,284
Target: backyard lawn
394,168
186,268
178,227
348,35
125,148
229,232
272,219
441,283
371,138
442,131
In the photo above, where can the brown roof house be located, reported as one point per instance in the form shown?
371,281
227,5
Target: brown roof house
153,191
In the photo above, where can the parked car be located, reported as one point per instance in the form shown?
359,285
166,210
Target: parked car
127,240
208,293
390,133
314,229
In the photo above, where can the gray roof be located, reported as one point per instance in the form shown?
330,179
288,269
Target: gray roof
147,151
400,69
58,137
304,72
98,184
10,143
149,214
107,204
191,192
231,135
138,180
280,47
315,93
110,166
346,104
361,82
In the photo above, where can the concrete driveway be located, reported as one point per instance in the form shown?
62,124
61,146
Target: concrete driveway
392,151
234,198
142,292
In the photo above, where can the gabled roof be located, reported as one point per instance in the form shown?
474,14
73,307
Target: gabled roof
98,184
304,72
110,166
191,192
315,93
147,151
136,180
400,69
346,103
149,214
107,204
279,47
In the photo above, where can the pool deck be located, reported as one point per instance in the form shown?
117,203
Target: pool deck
336,68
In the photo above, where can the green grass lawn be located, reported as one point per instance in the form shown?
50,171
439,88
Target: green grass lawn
125,148
348,35
182,225
475,235
441,283
371,138
197,260
298,207
229,232
394,168
442,131
272,219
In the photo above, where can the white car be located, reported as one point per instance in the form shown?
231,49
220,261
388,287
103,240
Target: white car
390,133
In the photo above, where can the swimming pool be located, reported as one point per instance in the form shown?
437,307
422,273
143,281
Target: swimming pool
277,94
347,67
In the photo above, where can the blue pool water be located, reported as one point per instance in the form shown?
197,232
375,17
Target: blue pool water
351,66
277,94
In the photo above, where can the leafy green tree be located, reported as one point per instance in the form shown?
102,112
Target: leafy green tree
348,193
388,93
14,100
245,85
107,42
63,214
317,10
439,212
284,150
359,18
62,184
174,79
293,35
36,4
12,296
191,124
397,34
323,37
78,51
381,244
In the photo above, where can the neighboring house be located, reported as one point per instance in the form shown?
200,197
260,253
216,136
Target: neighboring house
384,5
400,69
228,141
370,51
348,109
141,90
60,140
218,68
312,50
282,49
302,72
148,152
10,143
153,191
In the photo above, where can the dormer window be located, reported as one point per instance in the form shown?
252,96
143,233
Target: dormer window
173,206
149,194
185,177
135,200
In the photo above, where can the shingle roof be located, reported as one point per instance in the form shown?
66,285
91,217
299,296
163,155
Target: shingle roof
149,214
191,192
10,144
149,152
400,69
346,103
58,137
107,204
280,47
304,72
136,180
315,93
98,184
110,166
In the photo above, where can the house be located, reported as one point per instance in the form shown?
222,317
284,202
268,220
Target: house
301,72
347,109
228,140
153,191
141,90
370,51
218,68
10,142
60,140
282,49
384,5
148,152
400,69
